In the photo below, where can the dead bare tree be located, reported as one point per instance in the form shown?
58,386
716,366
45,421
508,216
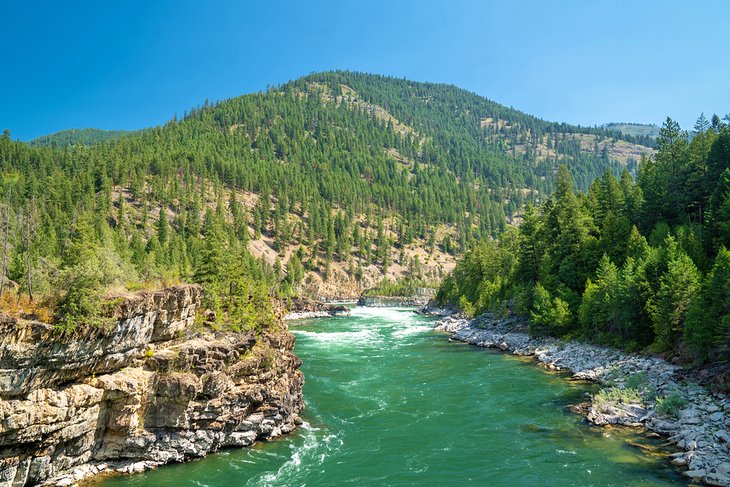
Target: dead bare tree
6,246
27,224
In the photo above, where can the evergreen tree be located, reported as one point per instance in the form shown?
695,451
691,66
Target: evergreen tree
708,317
677,288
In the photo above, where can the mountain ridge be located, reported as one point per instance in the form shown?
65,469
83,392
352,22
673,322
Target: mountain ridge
347,178
85,136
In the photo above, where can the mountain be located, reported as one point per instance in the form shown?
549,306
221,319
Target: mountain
325,185
638,130
78,136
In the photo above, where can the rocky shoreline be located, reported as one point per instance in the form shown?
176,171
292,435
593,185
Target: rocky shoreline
305,308
639,391
150,389
392,301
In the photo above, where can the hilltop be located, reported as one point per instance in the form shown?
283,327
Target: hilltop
647,130
324,185
86,136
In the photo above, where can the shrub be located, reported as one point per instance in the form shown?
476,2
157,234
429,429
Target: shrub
670,405
624,395
549,316
638,381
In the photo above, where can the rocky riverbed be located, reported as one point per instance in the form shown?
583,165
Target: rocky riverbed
640,391
149,389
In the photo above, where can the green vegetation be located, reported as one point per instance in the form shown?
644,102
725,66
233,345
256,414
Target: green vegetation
636,263
610,395
72,137
650,131
670,405
407,285
402,287
638,381
334,167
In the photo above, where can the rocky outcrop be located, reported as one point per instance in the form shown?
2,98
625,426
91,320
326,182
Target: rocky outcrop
301,308
392,301
146,391
35,355
639,390
420,297
431,309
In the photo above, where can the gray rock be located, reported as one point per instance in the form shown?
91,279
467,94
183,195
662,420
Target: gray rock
695,474
65,420
693,430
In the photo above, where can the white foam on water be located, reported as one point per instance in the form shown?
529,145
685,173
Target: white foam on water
386,314
363,337
313,446
411,330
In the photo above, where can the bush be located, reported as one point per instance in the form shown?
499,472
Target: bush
638,381
549,316
467,307
670,405
84,283
614,395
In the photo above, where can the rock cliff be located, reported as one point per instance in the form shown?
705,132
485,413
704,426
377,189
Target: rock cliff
147,390
301,308
392,301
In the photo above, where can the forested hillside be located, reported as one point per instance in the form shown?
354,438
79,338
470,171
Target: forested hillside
78,136
649,131
324,185
637,262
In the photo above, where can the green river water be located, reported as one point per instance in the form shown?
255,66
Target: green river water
391,402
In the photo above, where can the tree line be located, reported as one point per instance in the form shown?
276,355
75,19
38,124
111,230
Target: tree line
637,262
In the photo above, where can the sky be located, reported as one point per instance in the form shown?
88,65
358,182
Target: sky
132,64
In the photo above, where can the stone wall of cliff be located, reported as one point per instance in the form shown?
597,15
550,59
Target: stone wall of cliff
392,301
147,390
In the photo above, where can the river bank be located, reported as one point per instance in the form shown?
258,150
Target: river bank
150,389
639,391
304,308
392,301
301,308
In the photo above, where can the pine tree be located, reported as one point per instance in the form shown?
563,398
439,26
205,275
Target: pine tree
163,228
295,271
718,216
708,317
530,248
549,315
677,288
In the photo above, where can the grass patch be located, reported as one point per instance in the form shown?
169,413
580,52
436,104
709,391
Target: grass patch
20,306
670,405
611,395
638,381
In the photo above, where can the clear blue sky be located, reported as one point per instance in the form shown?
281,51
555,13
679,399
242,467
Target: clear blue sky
131,64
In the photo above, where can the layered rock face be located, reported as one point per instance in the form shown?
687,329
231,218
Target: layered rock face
146,391
421,297
392,301
301,308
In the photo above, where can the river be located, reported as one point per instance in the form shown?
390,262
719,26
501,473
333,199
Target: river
391,402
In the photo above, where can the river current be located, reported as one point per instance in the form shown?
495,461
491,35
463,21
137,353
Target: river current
391,402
